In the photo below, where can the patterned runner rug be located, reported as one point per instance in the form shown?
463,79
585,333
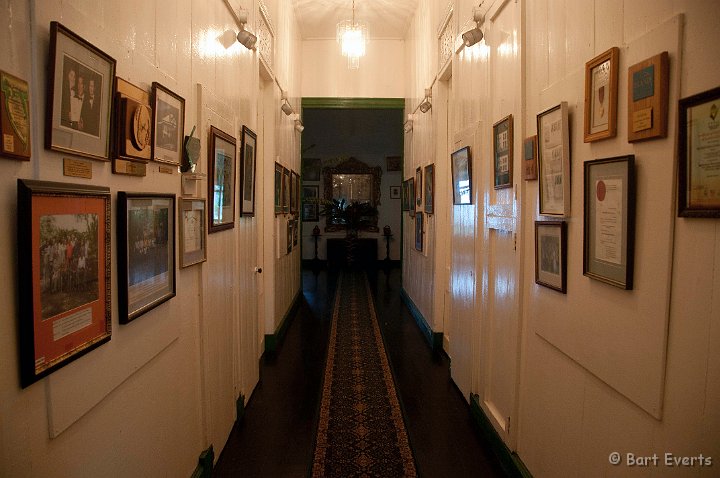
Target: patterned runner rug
360,431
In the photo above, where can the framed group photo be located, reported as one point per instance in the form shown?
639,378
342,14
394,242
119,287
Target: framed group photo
168,125
193,232
221,180
551,254
554,161
461,164
601,93
248,150
503,153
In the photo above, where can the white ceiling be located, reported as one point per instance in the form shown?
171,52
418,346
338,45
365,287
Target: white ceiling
385,19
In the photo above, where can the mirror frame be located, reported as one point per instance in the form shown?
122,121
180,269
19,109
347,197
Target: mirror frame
351,166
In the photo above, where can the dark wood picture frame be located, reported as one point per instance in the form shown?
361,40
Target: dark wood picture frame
393,163
551,254
648,96
503,153
601,96
395,192
411,196
553,127
222,155
429,189
419,231
168,122
405,195
418,187
192,224
248,150
461,165
278,188
15,119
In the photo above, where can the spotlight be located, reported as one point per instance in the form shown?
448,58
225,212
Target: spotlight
299,126
286,108
426,103
245,38
474,35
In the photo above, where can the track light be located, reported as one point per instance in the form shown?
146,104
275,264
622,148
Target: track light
299,126
245,38
426,102
474,35
286,108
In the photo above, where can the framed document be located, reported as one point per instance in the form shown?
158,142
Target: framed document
648,93
601,87
554,161
530,158
248,150
221,180
14,117
193,234
429,188
168,125
609,218
503,153
63,274
461,164
551,254
699,155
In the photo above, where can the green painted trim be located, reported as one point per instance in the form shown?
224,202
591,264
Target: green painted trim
204,468
435,339
510,462
354,103
240,408
273,341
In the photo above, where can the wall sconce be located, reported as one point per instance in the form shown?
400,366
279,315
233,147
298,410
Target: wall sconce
245,38
474,35
426,103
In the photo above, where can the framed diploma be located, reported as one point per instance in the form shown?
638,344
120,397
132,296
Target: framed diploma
648,90
193,235
699,155
503,153
554,161
601,86
551,254
609,219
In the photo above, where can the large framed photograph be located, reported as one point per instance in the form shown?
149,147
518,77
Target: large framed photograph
503,153
551,254
461,165
648,95
601,93
221,182
699,155
419,231
168,125
311,206
146,252
193,232
63,274
430,188
249,156
609,218
14,117
554,161
80,92
278,188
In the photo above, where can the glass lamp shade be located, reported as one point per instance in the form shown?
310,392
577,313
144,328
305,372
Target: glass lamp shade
352,37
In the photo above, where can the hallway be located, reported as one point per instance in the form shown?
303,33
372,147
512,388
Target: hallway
277,434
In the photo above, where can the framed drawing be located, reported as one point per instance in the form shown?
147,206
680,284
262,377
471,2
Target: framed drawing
551,254
63,274
146,252
393,163
419,231
394,192
311,169
193,235
294,192
648,94
554,161
168,125
278,188
503,153
14,117
461,164
248,150
411,196
699,155
429,188
286,185
221,180
418,187
311,205
601,92
609,218
80,78
530,158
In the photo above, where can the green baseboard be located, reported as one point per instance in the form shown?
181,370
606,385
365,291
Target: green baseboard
273,341
510,462
204,468
435,339
240,408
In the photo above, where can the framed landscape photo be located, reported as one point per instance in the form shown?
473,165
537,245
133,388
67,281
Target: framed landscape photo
193,232
554,161
461,164
168,125
14,117
530,168
311,205
699,155
551,254
601,93
221,180
648,95
278,188
429,189
64,278
248,150
503,153
80,95
609,220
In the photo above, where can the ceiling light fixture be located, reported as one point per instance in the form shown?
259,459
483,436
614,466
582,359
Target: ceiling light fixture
352,36
474,35
245,38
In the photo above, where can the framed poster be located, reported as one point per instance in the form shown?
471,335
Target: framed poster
394,192
221,180
554,161
503,153
429,188
601,92
530,158
311,205
193,234
411,196
278,188
286,185
551,254
461,164
419,231
699,155
609,218
248,150
294,192
168,125
63,274
14,117
80,92
648,94
146,252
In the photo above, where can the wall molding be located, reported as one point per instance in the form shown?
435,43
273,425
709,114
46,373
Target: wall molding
273,341
435,339
354,103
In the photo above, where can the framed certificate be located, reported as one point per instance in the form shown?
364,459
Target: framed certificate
554,161
601,87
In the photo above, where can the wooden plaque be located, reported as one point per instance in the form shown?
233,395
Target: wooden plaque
648,89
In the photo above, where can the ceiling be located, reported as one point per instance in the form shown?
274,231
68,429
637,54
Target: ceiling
385,19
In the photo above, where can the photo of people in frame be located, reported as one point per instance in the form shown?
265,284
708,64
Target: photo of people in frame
81,97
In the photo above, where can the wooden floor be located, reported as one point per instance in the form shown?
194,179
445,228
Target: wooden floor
276,436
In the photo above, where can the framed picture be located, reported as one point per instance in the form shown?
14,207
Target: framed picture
296,232
551,254
503,153
554,161
609,218
311,206
311,169
418,186
461,164
63,274
648,94
530,158
698,155
394,192
294,192
411,196
419,231
168,125
286,185
278,188
393,163
193,235
405,194
14,117
289,236
248,150
601,92
221,183
429,188
80,92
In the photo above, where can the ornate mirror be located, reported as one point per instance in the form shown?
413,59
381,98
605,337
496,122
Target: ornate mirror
353,184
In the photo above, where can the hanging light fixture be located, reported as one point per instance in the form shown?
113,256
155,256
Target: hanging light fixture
352,36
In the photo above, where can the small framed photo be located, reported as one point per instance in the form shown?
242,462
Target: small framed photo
393,163
168,125
429,188
698,155
530,158
248,150
286,185
503,153
14,117
609,219
311,169
405,202
648,95
63,274
221,181
294,192
193,234
418,186
80,95
554,161
551,254
311,205
278,188
461,164
419,229
394,192
411,196
601,92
